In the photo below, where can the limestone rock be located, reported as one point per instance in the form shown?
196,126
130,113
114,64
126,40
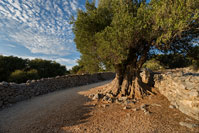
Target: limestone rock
6,84
126,102
126,107
91,96
110,100
135,109
122,98
28,81
143,106
117,101
33,81
128,115
105,105
147,76
105,98
172,106
147,113
154,104
189,125
181,89
97,96
57,77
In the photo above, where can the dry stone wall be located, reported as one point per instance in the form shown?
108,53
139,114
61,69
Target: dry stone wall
182,89
11,93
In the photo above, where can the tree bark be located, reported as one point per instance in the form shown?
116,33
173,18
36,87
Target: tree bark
128,83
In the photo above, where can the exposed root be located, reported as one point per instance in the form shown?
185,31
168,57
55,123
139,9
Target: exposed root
135,89
111,87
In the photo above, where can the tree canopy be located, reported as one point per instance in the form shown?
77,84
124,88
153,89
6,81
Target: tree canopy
122,33
118,30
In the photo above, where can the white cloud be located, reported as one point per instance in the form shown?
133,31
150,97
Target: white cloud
73,5
11,45
39,43
69,62
42,26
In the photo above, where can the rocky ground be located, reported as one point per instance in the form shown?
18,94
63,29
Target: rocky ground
72,111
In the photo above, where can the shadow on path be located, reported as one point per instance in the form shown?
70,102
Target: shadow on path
48,113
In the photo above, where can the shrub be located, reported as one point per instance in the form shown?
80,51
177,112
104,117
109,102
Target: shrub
32,74
153,64
18,76
172,61
195,65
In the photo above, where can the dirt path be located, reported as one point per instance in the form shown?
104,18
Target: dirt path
71,111
45,113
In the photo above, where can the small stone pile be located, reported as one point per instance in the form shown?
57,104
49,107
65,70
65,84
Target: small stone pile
124,101
179,86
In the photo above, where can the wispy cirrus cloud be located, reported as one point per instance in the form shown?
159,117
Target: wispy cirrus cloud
42,26
11,45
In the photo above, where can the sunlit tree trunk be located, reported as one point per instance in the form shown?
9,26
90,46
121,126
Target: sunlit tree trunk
128,81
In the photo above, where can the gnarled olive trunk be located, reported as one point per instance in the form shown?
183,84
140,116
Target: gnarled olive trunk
128,82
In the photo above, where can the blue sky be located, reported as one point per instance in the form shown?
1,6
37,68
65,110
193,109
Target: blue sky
39,29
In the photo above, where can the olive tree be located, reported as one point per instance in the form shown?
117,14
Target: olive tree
123,33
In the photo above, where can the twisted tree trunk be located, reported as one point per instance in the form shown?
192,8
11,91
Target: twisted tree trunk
128,82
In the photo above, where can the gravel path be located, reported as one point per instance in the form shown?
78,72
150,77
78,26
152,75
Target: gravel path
71,111
45,113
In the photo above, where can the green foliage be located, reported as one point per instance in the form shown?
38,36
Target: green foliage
88,65
173,60
32,74
19,70
170,61
92,66
77,69
124,31
193,53
195,65
47,68
153,64
18,76
8,64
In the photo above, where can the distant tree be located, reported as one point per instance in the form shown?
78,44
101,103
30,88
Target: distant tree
47,68
77,69
122,33
8,64
89,65
193,55
173,60
14,68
